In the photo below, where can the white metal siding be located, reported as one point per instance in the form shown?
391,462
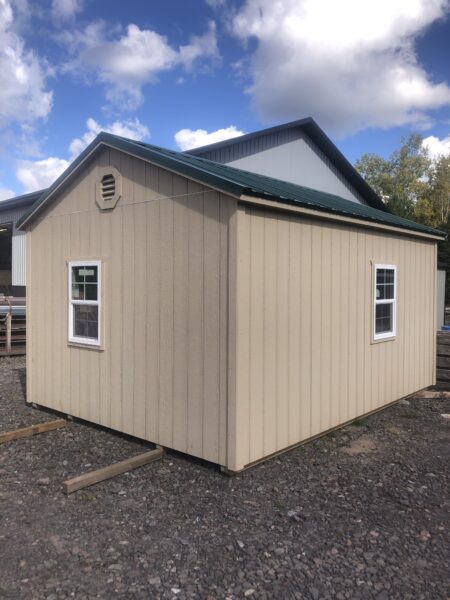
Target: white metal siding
19,250
288,155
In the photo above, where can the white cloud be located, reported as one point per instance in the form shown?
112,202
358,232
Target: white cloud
23,94
132,129
437,147
349,64
5,193
134,58
66,9
38,174
188,138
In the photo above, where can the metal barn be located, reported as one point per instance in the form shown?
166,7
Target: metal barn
218,312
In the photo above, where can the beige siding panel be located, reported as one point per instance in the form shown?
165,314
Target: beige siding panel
181,287
161,372
305,278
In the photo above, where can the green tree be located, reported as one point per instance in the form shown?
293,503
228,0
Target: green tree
402,179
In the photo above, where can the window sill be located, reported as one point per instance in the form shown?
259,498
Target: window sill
391,338
86,346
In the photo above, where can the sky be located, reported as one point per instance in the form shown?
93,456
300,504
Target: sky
184,73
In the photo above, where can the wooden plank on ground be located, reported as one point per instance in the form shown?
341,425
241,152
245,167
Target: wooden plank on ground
87,479
431,394
9,436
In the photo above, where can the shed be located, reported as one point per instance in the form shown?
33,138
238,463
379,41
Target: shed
218,312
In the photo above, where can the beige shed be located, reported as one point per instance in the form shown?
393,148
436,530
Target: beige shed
217,312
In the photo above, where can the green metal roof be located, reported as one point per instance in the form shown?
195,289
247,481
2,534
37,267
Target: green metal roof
236,182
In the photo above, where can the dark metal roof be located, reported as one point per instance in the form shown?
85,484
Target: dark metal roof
235,182
322,141
20,201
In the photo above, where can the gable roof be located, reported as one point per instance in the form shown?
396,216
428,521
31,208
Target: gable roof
20,201
322,141
230,180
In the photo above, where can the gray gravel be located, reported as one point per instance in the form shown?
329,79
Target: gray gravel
360,513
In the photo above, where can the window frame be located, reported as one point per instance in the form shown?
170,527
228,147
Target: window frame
72,338
387,335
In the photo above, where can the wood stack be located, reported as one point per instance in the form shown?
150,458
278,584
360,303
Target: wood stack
12,327
443,360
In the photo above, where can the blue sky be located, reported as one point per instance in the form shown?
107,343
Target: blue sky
184,73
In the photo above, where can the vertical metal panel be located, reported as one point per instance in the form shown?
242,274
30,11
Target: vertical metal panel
162,371
289,155
335,373
19,240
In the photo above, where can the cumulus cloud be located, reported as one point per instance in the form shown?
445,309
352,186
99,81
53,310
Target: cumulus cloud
189,138
66,9
349,64
5,193
132,129
38,174
23,94
437,147
125,61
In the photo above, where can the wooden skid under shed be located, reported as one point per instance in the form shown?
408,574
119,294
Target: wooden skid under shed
78,483
9,436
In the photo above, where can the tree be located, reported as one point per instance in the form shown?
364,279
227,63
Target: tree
402,179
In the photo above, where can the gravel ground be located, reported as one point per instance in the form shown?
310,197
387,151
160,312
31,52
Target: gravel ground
360,513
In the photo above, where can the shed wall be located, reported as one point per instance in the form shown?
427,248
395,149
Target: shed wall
162,372
305,361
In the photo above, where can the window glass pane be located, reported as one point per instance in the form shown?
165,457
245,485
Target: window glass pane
385,284
384,318
77,274
77,291
90,274
85,321
90,291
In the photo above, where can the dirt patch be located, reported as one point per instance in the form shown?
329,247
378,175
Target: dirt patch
360,446
314,523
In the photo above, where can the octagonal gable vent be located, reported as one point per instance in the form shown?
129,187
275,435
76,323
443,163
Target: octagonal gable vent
109,188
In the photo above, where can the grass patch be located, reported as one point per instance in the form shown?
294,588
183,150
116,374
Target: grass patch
409,414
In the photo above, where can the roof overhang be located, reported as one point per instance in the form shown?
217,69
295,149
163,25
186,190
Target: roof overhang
323,215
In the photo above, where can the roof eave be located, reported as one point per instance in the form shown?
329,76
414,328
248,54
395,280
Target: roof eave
336,215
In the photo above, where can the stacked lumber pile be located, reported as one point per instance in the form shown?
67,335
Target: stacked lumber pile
443,360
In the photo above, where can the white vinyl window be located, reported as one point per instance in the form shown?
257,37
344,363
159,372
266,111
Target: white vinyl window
385,301
84,302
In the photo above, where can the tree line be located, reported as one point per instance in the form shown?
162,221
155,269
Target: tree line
414,186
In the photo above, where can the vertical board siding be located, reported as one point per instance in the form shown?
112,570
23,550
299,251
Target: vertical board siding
161,374
305,357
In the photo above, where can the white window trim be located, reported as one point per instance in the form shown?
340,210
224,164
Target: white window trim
388,334
77,339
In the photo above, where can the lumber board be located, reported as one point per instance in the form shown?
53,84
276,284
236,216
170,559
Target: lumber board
443,362
443,349
431,394
93,477
442,375
9,436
